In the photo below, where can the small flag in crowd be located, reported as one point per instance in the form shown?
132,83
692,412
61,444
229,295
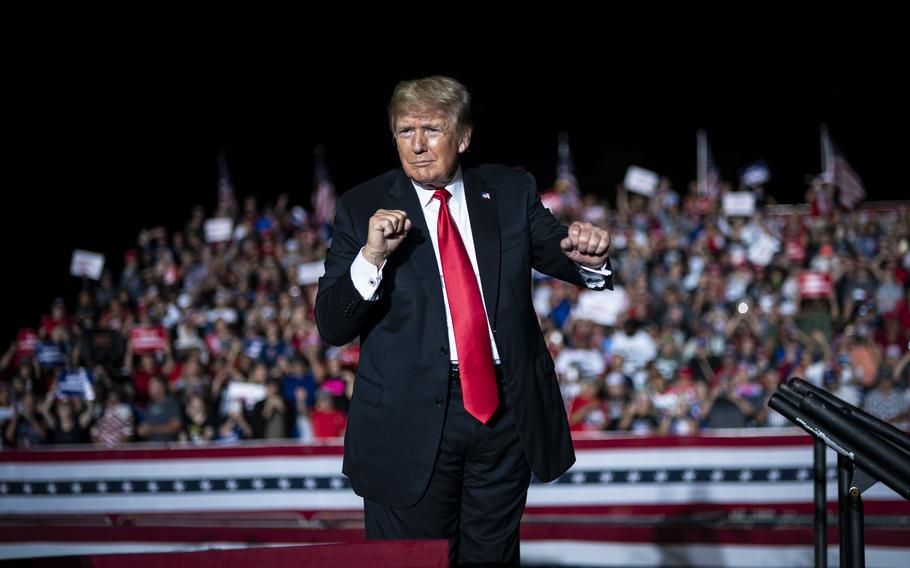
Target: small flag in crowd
227,204
324,192
566,182
838,172
708,174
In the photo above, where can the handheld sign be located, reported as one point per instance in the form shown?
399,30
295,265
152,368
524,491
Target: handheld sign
641,181
755,174
310,272
218,230
814,285
148,338
739,204
76,382
87,264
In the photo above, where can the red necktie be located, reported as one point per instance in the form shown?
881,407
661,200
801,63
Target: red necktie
472,336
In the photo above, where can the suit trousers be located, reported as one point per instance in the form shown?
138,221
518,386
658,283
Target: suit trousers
477,491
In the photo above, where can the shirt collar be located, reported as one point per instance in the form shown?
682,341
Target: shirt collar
455,187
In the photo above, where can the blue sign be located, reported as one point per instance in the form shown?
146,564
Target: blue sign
76,382
50,355
755,173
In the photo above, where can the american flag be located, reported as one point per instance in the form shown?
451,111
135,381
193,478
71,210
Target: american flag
227,204
839,173
566,182
848,182
708,174
324,190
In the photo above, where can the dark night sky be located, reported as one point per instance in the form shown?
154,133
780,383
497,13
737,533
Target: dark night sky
119,130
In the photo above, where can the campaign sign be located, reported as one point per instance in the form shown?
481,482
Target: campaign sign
814,284
246,394
602,309
641,180
755,174
148,338
76,382
310,272
763,249
218,229
739,204
50,355
87,264
27,342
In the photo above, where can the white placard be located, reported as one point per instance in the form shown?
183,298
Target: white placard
87,264
763,249
641,180
739,204
602,309
246,394
310,272
218,229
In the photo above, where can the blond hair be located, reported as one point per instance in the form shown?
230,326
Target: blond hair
435,93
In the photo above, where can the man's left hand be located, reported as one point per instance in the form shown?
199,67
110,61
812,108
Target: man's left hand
588,245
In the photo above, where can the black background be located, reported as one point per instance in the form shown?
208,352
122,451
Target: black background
117,119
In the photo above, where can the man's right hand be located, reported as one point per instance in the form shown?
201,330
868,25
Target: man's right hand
387,228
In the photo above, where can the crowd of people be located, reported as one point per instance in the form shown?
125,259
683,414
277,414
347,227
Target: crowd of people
204,339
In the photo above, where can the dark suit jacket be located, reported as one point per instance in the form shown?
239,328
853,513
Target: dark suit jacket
396,416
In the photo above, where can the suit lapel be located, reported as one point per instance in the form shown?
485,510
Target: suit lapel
485,229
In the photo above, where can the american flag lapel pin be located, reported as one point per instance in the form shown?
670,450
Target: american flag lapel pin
485,195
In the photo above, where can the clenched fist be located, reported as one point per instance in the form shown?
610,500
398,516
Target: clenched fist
587,244
387,228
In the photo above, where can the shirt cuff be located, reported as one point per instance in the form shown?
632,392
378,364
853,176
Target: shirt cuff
366,277
594,277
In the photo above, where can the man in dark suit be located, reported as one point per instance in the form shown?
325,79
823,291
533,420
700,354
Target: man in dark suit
455,401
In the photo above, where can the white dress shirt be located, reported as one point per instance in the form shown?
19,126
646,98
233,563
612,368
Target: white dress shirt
367,277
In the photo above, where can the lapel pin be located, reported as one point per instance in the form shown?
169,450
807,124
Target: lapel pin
485,195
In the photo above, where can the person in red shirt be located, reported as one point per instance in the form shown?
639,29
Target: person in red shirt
328,422
148,368
58,317
588,412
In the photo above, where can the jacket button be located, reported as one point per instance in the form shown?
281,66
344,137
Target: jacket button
439,400
444,351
